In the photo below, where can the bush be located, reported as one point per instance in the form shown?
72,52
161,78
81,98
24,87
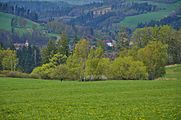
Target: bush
127,68
14,74
60,72
43,71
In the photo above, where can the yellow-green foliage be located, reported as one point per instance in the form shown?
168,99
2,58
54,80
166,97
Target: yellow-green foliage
59,72
154,56
129,69
43,71
8,60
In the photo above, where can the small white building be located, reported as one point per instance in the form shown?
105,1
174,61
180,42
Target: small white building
21,45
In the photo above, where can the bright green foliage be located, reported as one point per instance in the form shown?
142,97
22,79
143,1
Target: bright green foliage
81,54
82,49
91,67
128,69
60,72
8,59
129,52
96,53
76,62
55,47
74,67
103,68
43,71
96,65
1,58
165,34
154,56
58,59
142,36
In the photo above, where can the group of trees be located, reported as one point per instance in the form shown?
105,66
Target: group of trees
8,60
19,11
23,59
55,48
166,35
29,58
91,64
141,56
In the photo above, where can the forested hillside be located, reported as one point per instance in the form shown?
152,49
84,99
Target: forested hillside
104,18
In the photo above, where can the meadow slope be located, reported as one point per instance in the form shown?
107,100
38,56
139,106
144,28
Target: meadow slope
165,10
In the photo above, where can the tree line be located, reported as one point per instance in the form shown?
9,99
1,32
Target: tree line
18,10
143,55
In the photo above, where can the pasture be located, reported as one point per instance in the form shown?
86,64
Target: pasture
165,10
5,22
30,99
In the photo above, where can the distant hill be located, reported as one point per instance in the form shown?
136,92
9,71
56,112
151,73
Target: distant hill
93,21
75,2
35,32
166,9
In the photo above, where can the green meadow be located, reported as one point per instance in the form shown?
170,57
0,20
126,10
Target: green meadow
5,22
30,99
165,10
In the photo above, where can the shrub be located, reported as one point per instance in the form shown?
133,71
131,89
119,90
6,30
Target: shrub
14,74
17,74
128,69
43,71
60,72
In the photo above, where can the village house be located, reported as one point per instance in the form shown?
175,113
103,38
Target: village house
101,11
21,45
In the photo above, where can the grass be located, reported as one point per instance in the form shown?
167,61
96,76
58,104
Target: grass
173,72
5,23
29,99
166,9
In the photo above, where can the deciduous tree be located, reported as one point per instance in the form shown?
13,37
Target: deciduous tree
154,56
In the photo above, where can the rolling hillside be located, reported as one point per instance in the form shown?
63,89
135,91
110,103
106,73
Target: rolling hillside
5,23
74,2
166,9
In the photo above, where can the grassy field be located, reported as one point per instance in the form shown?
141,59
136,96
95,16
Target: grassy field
29,99
166,9
5,22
